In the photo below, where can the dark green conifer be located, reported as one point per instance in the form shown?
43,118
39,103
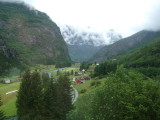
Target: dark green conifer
64,96
50,101
45,80
2,115
29,99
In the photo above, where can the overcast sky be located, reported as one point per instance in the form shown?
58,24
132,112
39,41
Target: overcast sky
124,16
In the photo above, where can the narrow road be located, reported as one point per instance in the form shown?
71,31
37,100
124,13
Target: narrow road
50,72
75,95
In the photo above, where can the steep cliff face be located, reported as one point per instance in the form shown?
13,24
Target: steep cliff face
30,36
6,51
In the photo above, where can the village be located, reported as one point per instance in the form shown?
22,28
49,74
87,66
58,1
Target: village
76,75
82,77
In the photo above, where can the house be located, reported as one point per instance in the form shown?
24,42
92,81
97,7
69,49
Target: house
7,81
79,82
18,79
74,79
83,71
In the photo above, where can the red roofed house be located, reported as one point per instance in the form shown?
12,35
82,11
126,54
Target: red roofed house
79,82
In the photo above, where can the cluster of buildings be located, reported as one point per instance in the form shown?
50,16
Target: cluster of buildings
8,81
80,80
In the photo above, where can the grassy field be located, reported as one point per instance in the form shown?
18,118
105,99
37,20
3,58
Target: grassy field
9,77
43,68
88,86
69,69
9,100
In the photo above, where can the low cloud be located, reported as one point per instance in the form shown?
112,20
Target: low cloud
125,16
153,20
75,36
28,3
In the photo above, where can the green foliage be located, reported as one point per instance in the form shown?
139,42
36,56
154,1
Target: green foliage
60,64
83,91
2,115
50,99
72,72
84,65
58,73
45,80
29,99
41,98
145,59
95,83
7,65
125,45
64,97
126,95
81,111
105,68
32,35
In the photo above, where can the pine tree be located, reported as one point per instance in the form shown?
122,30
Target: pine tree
45,80
29,99
50,102
58,72
64,96
2,115
72,72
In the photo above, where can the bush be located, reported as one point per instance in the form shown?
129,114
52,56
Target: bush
95,83
126,95
83,91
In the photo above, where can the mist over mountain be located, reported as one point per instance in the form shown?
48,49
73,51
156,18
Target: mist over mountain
83,44
75,36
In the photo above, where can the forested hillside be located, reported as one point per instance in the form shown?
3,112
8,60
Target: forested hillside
125,45
145,59
130,90
30,37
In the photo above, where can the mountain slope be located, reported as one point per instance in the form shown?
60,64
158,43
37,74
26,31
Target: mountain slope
82,53
145,59
30,36
125,45
83,44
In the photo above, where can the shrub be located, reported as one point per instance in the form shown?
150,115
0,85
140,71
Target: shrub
83,91
95,83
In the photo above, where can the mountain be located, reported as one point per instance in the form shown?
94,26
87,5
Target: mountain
82,53
29,37
125,45
145,59
83,44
